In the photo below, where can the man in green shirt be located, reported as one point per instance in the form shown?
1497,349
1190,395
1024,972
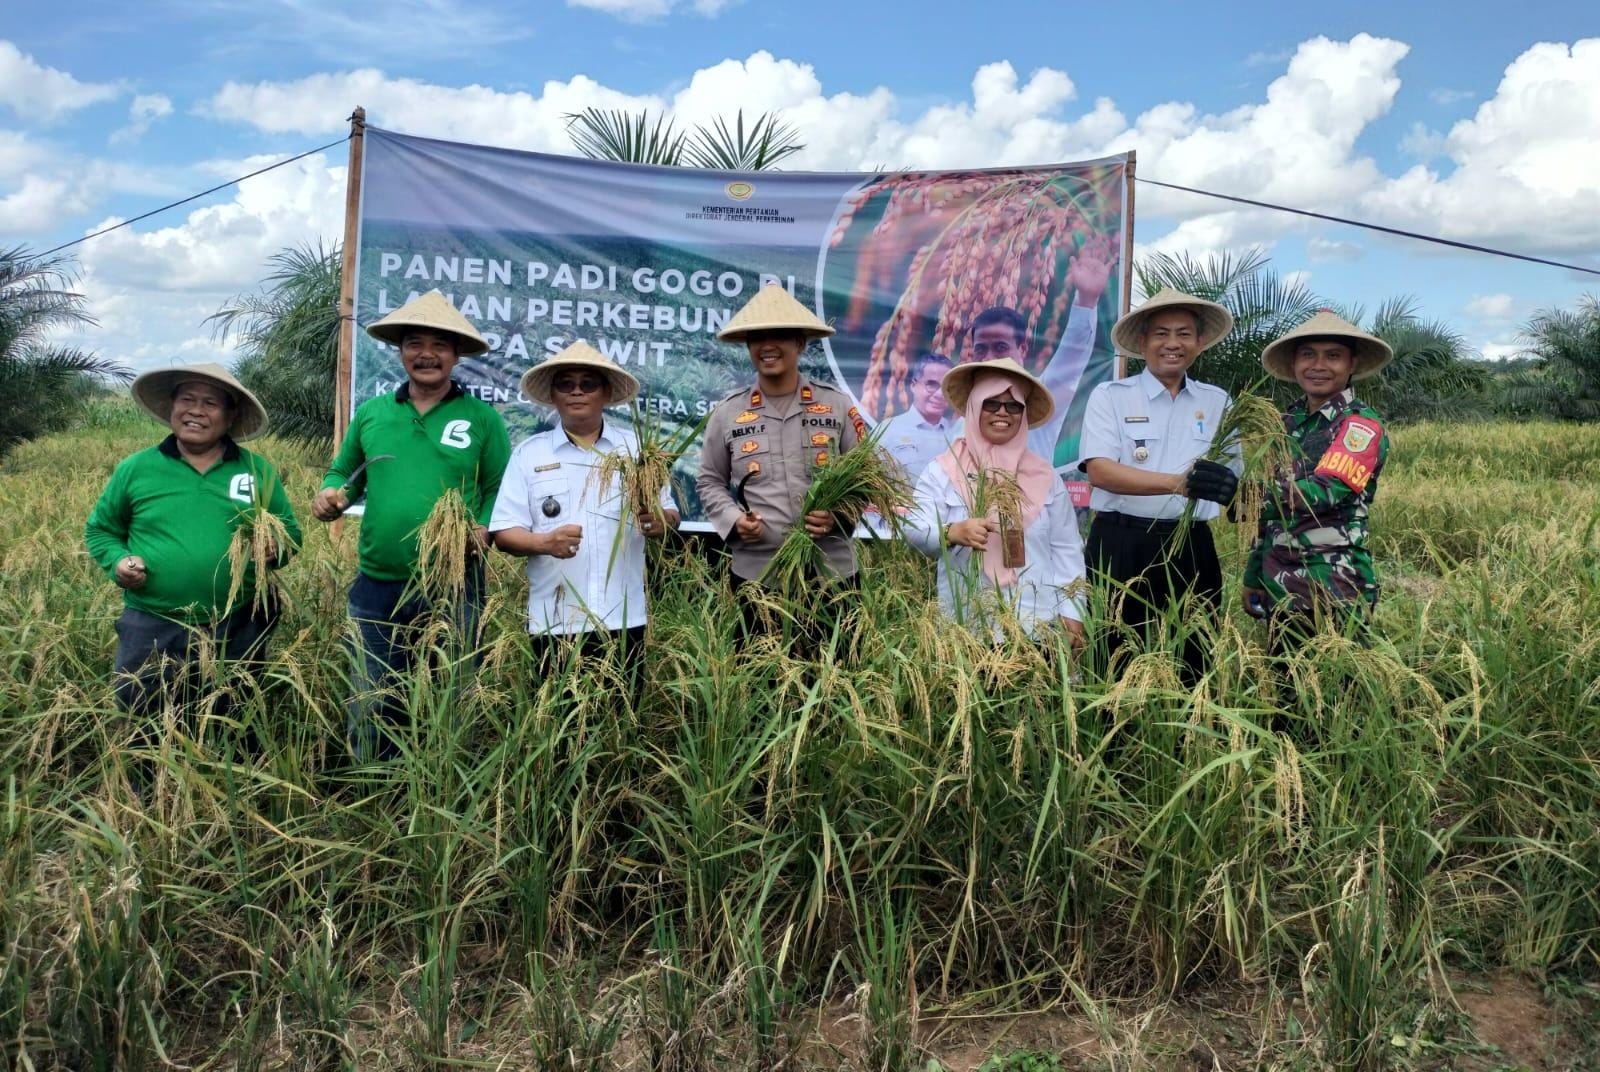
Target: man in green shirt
162,528
404,451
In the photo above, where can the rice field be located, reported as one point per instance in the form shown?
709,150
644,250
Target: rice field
901,850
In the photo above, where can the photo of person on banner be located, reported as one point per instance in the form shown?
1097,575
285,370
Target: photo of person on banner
981,266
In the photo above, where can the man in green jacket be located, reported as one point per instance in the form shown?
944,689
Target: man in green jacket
162,528
404,451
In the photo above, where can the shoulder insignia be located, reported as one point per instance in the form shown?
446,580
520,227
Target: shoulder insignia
755,399
861,425
805,394
747,416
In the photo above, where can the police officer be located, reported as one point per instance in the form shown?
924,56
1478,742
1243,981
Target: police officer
762,443
1310,565
1143,441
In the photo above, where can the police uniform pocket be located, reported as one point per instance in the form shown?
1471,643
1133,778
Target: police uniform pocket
747,451
1141,445
548,500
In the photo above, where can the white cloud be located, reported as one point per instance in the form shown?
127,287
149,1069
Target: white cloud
647,10
19,154
38,198
1500,349
145,110
34,91
1491,306
1524,166
1320,250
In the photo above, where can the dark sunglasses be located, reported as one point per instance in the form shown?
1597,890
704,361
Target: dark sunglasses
1011,406
586,384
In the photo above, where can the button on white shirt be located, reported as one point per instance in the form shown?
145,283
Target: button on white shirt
1137,414
913,441
549,483
1051,545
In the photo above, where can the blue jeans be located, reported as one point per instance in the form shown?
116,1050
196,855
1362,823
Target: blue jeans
156,657
390,617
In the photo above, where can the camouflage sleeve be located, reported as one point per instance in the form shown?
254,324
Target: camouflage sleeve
1353,458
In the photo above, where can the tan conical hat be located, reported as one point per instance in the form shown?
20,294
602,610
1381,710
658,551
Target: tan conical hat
434,312
1370,352
1215,321
772,308
536,382
153,391
957,386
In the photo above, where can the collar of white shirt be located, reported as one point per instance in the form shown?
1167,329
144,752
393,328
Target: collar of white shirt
1153,386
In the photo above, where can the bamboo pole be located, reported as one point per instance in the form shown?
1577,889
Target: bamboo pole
342,386
347,278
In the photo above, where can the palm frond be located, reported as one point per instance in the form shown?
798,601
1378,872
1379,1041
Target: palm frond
630,138
767,141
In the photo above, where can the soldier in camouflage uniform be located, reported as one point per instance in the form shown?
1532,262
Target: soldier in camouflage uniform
1310,565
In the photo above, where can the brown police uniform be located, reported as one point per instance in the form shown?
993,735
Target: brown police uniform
776,443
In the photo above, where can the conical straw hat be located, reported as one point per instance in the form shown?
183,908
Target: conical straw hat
537,381
957,387
773,309
1215,321
1370,352
433,312
153,391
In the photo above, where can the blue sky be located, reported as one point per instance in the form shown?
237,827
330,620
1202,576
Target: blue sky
1472,120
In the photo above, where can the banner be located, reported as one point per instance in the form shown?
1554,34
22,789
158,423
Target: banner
647,263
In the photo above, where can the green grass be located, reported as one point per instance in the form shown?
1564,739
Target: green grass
903,820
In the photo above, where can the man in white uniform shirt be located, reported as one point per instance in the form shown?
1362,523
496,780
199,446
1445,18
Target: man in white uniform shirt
926,430
1142,445
585,549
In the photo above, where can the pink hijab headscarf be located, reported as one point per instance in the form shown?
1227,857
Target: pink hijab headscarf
973,453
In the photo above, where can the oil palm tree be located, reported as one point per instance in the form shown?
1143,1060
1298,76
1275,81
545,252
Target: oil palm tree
643,138
1430,376
289,339
1564,381
43,386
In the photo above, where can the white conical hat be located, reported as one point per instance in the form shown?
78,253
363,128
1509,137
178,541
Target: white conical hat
773,309
957,387
153,391
580,355
1215,321
1370,352
433,312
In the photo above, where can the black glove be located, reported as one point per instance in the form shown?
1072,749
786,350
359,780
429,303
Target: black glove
1212,482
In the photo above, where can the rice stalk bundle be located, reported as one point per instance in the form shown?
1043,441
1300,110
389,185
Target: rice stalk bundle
1250,431
641,475
256,548
442,548
845,486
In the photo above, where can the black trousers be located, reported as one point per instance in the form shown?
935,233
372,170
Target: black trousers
810,624
1153,567
551,651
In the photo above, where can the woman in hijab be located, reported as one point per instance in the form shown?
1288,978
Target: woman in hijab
991,499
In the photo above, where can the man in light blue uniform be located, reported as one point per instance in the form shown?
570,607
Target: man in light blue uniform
925,431
1143,446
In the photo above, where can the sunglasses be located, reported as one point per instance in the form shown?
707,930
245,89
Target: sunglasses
586,384
997,405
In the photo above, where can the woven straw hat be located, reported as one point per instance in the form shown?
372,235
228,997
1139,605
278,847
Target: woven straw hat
773,309
433,312
537,381
1370,352
1215,321
957,385
153,391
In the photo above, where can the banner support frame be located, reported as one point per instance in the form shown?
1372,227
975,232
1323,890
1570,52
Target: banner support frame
1127,258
